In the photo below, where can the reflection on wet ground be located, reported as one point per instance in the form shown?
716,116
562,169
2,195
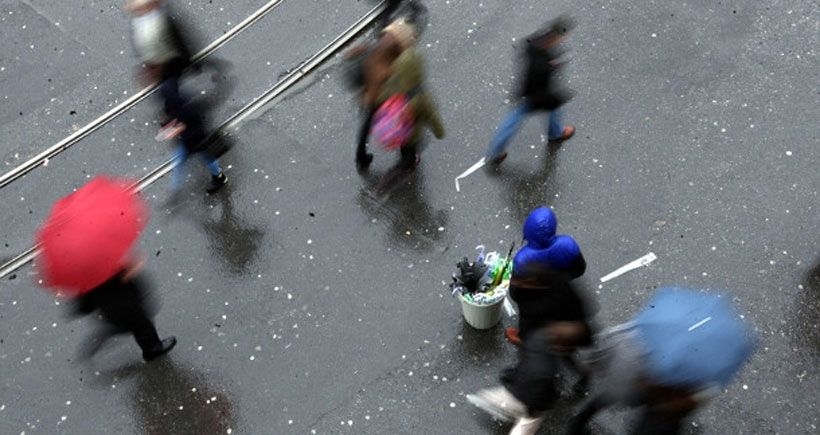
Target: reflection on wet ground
526,189
804,326
168,399
411,222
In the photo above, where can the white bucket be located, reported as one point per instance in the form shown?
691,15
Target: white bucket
481,316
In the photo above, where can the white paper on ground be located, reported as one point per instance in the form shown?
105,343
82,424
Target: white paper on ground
472,169
643,261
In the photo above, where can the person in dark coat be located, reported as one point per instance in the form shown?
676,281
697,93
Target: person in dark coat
124,307
539,91
165,55
554,320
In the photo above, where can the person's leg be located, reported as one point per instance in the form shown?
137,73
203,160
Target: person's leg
578,423
555,126
363,158
506,130
212,164
583,382
407,160
218,178
178,174
145,334
556,130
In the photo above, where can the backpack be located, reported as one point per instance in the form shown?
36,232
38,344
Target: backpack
394,121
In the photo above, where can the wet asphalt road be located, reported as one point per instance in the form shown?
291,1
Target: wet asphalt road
304,303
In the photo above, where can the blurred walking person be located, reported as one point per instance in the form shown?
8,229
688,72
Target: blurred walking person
540,90
554,321
406,108
165,56
124,304
674,356
373,66
86,255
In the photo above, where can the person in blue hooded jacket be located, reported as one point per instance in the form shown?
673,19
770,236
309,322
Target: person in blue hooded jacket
553,322
542,269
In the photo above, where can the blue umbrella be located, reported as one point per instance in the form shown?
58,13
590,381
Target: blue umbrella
692,338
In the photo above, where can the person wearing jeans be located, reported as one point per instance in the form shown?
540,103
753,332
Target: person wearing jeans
512,123
540,90
181,155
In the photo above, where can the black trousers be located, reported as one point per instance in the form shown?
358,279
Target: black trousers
124,307
364,132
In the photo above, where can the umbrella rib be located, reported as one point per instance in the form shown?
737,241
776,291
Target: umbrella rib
700,323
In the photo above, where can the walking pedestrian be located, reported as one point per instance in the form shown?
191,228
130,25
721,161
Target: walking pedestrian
554,320
376,70
124,307
620,379
539,91
406,85
165,56
86,255
675,355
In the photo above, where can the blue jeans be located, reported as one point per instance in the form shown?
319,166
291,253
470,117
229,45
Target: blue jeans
512,123
180,156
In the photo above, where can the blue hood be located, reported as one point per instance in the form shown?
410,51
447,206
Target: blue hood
544,248
539,228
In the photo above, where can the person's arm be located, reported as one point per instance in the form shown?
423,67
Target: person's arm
578,267
434,119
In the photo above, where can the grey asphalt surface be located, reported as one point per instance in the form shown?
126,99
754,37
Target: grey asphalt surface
302,302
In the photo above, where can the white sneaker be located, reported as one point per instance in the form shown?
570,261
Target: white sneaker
499,403
527,425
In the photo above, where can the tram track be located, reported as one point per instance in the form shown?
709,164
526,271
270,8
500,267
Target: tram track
40,158
263,101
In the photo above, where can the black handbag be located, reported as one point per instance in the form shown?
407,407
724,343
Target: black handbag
217,144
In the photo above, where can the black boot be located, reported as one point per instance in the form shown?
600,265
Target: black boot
160,349
217,181
363,162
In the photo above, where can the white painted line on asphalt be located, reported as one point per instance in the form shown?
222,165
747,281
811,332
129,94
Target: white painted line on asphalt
643,261
472,169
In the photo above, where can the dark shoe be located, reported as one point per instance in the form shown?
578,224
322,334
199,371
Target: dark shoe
162,348
498,159
217,181
568,132
362,163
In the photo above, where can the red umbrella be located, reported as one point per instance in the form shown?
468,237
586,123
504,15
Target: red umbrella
87,237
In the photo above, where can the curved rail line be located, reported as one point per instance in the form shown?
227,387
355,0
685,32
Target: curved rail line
118,110
305,68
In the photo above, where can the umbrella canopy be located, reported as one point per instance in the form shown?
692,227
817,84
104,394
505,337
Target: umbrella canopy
87,237
692,338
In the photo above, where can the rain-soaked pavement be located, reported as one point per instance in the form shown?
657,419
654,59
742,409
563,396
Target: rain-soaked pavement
304,304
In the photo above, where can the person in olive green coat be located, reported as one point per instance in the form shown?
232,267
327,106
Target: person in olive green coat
408,78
